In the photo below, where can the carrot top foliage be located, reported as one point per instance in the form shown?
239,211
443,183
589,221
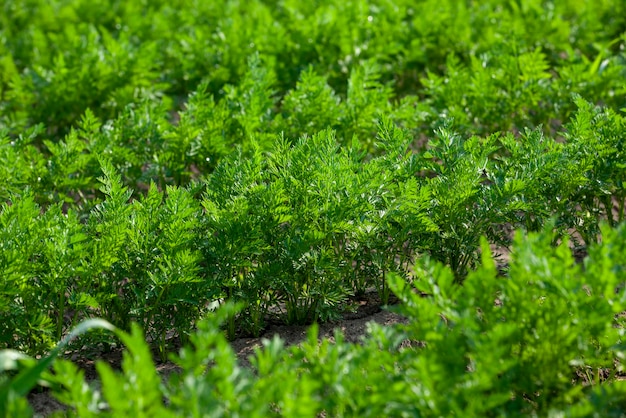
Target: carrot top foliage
160,159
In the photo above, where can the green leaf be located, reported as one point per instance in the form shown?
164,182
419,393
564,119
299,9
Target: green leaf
25,380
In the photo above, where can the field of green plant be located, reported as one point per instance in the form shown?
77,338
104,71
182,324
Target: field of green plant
187,171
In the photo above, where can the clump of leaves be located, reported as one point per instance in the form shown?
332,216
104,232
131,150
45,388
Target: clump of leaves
594,138
276,225
151,272
512,345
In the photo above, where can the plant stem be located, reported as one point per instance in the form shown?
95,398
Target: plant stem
60,315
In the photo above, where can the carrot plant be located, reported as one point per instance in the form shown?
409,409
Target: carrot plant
277,226
594,138
151,275
492,346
